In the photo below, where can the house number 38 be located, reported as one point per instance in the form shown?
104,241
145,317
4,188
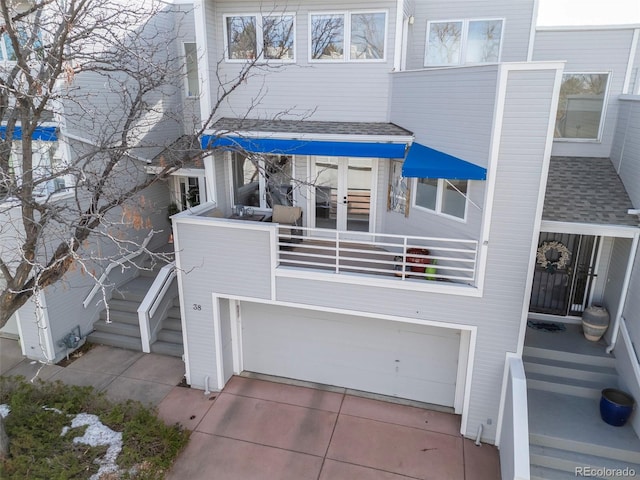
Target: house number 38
197,306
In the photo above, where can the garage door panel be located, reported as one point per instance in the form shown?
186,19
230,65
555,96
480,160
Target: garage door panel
391,358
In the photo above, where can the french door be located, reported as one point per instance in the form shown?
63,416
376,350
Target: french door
343,193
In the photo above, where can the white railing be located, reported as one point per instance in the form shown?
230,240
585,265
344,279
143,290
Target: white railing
399,256
513,439
120,262
149,323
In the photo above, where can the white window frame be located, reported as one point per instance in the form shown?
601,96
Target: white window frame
262,182
186,70
463,41
605,102
347,37
439,195
259,37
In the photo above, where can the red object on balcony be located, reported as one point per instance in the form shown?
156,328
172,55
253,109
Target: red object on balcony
417,260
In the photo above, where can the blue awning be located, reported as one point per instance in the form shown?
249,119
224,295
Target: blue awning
425,162
277,146
46,134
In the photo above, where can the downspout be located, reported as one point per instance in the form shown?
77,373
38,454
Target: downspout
623,295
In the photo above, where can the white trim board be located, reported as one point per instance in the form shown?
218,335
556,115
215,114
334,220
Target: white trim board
466,331
594,229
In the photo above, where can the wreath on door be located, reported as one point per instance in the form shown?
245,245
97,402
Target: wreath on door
553,256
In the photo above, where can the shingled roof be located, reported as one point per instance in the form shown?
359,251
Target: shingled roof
586,190
310,127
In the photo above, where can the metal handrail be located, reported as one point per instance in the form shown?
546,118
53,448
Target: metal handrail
338,251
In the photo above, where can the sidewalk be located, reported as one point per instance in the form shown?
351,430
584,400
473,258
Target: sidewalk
258,429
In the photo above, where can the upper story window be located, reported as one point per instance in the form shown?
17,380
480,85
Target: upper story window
456,42
581,106
191,65
266,37
349,36
262,181
7,52
448,197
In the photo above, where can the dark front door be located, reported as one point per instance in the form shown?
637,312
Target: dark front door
563,289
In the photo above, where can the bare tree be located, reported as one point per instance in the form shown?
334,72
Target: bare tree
59,210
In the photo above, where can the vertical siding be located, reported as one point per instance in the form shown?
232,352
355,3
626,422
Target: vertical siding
516,13
625,153
448,109
343,91
589,51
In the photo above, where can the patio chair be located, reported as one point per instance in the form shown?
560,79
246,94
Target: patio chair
286,215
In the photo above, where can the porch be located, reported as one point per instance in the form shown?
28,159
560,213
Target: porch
565,375
414,261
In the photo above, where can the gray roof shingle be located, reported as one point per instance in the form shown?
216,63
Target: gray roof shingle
308,126
586,190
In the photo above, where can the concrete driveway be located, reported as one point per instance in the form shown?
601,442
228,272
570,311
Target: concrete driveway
257,429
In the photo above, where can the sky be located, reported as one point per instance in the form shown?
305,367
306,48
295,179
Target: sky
588,12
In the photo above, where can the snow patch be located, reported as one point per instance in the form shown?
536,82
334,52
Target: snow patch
4,410
98,434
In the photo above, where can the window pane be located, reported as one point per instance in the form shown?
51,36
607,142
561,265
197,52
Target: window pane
367,35
580,105
483,43
191,60
241,37
443,43
278,37
278,173
426,192
11,54
453,200
327,37
246,183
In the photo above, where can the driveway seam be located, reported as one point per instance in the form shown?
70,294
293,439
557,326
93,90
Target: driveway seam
401,475
261,444
457,435
326,452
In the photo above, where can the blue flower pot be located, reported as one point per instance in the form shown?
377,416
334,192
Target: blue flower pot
616,406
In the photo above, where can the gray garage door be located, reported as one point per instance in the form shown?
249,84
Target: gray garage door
391,358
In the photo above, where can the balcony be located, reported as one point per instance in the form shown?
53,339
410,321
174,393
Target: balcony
394,257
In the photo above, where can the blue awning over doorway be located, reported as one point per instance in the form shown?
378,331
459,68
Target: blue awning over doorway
425,162
44,133
279,146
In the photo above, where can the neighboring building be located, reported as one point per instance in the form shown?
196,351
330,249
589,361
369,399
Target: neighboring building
437,175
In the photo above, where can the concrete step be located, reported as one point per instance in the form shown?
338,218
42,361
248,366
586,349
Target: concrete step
176,302
172,324
568,461
117,328
170,336
174,312
543,473
620,455
568,386
124,305
130,318
166,348
105,338
602,359
559,368
130,295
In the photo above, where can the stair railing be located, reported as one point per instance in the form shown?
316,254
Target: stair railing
149,321
513,427
120,262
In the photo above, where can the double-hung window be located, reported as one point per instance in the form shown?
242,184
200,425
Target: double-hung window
456,42
262,181
262,37
447,197
348,36
581,106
